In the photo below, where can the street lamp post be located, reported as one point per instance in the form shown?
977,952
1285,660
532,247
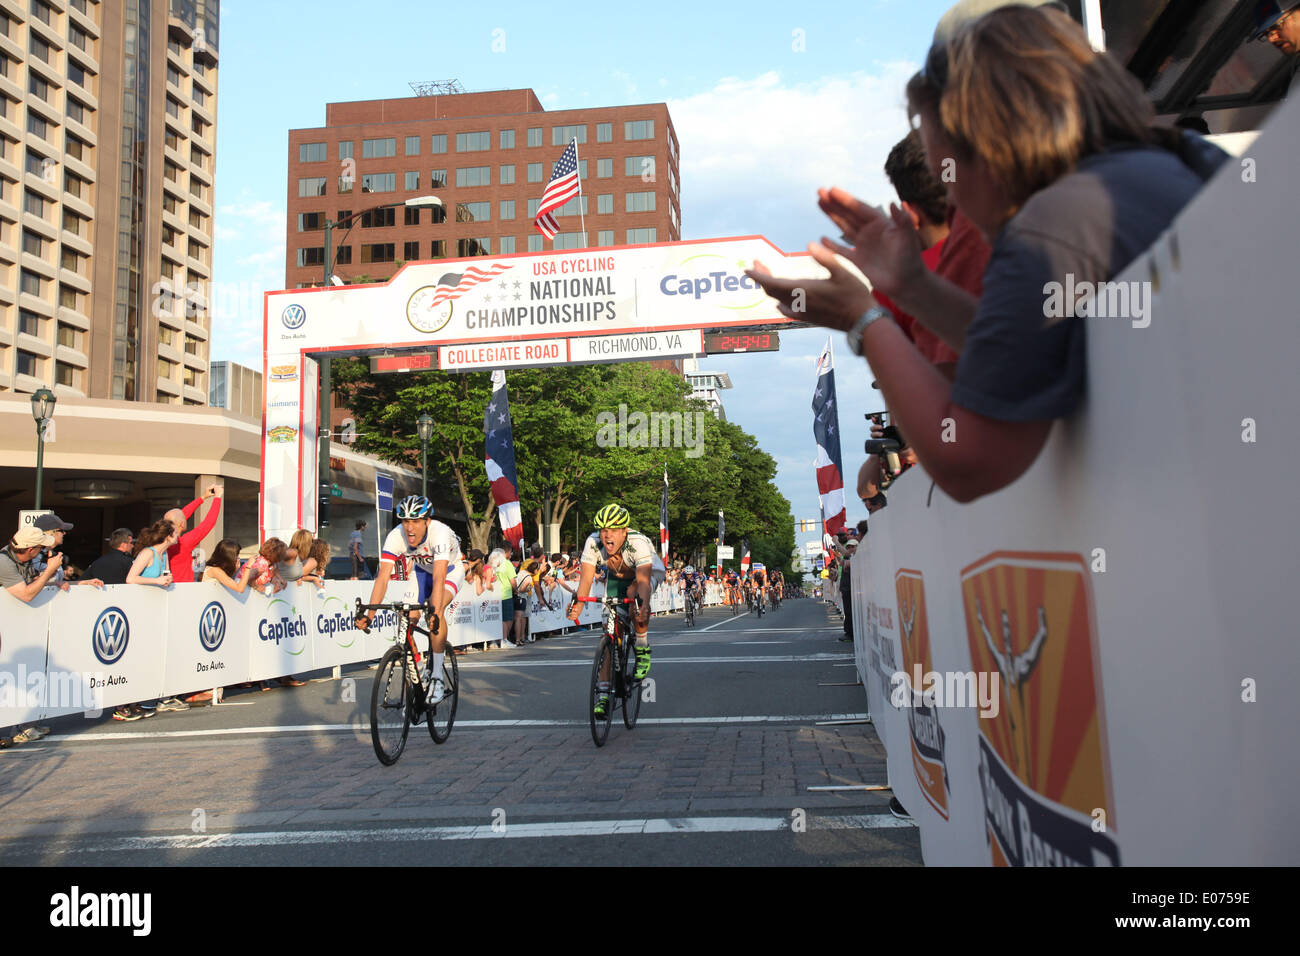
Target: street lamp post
425,427
326,425
43,402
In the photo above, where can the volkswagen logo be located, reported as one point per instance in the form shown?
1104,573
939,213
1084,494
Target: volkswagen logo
293,316
212,626
110,635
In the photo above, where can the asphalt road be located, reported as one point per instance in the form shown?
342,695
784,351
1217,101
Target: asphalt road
733,733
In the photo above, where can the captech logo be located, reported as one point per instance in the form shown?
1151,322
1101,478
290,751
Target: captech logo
110,635
212,626
293,317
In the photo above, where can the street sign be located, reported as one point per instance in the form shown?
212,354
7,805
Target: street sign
726,551
27,519
384,492
49,431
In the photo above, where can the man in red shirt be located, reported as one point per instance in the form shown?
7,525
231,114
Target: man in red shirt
180,556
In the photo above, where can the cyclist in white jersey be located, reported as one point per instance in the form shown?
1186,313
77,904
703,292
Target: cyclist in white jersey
433,550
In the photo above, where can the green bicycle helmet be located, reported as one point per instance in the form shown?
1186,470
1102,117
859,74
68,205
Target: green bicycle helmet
612,516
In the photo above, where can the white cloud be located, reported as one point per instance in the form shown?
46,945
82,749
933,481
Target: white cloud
754,150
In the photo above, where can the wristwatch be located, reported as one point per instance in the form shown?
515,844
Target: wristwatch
860,326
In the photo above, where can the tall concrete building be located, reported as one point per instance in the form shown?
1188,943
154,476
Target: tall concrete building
107,153
488,157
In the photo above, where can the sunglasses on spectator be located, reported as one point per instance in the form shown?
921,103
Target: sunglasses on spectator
1277,27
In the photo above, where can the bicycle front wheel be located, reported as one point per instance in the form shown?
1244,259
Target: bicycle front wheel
390,718
443,714
632,702
604,661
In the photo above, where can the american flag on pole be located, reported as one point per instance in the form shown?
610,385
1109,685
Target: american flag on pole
826,431
564,185
499,457
663,517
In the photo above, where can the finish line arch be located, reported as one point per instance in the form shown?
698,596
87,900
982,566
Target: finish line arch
529,310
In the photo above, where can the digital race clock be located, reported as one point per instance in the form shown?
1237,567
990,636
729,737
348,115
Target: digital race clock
716,342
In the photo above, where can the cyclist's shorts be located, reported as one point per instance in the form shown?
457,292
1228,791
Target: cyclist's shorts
424,581
618,587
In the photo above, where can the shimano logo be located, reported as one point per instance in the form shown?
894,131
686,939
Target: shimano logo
110,635
212,626
706,284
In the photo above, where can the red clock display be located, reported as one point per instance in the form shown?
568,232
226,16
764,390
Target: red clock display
717,342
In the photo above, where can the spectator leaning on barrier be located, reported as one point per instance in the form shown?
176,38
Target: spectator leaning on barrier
180,555
20,578
1055,160
55,526
318,561
113,566
1278,21
499,562
223,567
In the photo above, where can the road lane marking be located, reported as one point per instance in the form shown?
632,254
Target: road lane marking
747,643
738,659
465,724
654,826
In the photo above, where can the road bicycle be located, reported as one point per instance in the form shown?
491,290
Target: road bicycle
616,659
690,607
759,602
400,692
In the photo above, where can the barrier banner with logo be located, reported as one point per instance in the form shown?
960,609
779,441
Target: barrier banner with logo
118,635
1104,650
24,629
207,636
280,640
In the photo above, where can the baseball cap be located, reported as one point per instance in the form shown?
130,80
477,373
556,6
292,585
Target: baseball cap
33,538
1268,12
964,11
52,522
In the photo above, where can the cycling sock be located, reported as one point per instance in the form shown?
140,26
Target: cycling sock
643,640
437,664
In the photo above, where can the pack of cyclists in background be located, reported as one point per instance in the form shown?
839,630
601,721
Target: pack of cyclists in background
632,568
432,550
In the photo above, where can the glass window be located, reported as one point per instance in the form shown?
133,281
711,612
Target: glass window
575,206
604,132
412,146
311,186
635,236
639,202
343,256
411,180
643,166
473,211
37,126
379,182
310,221
438,178
438,143
507,245
410,251
345,149
604,169
378,218
507,175
534,136
378,148
438,249
569,240
473,142
605,237
69,336
507,139
345,184
535,243
412,216
30,283
639,129
311,152
534,172
474,176
507,210
560,135
481,246
533,204
28,364
314,256
605,204
29,323
378,252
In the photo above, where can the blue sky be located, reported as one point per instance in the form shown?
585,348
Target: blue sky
769,102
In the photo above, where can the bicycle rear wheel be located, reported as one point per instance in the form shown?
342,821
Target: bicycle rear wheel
390,718
443,714
605,660
632,687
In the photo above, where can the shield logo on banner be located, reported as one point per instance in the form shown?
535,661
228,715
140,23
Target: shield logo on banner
212,626
1042,757
923,721
110,635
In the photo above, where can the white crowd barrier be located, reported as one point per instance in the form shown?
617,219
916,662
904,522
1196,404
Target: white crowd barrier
1109,644
92,649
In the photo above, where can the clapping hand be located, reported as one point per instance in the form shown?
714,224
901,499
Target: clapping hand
887,248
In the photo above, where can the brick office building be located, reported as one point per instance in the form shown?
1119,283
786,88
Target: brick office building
488,157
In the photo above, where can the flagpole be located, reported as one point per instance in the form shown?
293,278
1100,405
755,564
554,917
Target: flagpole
582,217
